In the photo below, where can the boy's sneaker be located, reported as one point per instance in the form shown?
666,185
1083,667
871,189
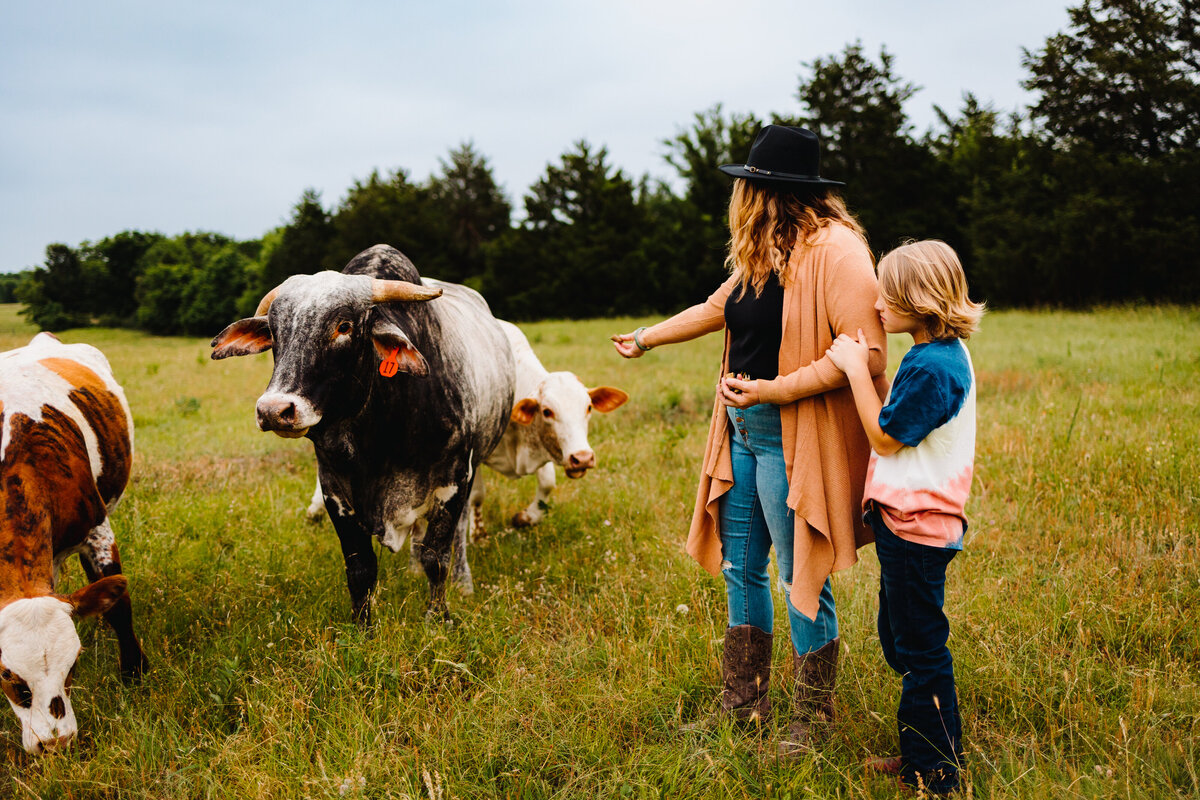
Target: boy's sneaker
886,765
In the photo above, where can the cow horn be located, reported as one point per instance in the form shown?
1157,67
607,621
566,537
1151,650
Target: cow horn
390,291
265,303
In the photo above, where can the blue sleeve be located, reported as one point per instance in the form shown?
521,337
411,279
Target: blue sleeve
917,405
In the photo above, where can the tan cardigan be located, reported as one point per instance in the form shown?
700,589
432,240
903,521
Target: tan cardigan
831,289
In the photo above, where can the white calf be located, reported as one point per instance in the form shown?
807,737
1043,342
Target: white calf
551,416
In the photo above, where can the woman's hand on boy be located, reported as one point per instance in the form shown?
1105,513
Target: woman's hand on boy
849,354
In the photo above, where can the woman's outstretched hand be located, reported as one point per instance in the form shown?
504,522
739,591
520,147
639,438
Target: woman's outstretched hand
738,393
625,345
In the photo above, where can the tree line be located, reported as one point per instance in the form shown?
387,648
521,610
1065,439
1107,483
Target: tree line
1090,195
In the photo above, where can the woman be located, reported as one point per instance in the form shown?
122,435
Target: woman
786,458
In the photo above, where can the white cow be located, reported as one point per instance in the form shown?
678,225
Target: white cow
551,414
549,425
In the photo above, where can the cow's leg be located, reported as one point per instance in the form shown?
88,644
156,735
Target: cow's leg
475,509
460,570
316,506
537,509
414,541
435,550
100,559
358,550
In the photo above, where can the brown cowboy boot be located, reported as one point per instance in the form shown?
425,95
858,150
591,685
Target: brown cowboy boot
812,702
746,675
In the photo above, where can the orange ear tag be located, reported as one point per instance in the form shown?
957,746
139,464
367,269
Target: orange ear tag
389,366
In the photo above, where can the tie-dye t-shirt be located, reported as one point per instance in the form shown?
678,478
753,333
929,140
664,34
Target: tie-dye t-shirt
922,488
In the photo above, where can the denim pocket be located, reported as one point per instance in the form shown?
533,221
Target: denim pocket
934,561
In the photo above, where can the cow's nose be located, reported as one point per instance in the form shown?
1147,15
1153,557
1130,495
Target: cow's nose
582,460
275,413
53,745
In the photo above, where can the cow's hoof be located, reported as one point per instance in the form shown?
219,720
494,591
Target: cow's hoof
314,514
522,520
440,616
131,675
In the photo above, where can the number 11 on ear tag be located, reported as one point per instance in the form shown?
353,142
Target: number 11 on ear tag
389,366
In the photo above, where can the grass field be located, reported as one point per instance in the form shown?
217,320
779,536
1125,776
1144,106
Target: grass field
1074,608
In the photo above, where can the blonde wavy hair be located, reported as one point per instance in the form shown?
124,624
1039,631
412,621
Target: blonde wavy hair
765,225
925,280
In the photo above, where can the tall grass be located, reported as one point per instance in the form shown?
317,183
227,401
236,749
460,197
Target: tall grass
567,674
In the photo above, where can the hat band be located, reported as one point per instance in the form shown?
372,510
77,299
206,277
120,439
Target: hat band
774,174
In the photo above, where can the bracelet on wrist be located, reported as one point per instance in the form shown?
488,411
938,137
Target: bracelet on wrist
637,339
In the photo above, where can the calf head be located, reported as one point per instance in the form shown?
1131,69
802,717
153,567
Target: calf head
323,334
38,651
559,414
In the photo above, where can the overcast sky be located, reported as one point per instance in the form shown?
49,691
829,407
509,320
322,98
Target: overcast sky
216,115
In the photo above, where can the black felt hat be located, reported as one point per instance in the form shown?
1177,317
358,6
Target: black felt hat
784,157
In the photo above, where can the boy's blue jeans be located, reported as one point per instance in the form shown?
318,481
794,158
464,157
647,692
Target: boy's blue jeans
913,631
755,516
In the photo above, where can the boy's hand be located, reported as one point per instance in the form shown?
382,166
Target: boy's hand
849,354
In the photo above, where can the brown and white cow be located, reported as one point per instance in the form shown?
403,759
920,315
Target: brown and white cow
66,445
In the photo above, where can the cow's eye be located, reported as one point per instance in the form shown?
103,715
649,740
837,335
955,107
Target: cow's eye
344,327
24,696
589,408
547,413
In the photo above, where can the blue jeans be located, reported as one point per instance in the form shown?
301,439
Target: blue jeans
755,516
913,631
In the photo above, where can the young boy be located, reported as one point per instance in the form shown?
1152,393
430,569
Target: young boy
923,442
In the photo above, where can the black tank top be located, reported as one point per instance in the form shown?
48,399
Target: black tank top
755,329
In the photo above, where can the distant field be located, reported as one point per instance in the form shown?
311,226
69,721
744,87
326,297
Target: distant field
1073,609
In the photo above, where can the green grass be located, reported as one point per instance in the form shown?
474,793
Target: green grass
1073,607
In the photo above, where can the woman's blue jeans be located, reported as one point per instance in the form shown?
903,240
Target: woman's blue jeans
913,631
755,516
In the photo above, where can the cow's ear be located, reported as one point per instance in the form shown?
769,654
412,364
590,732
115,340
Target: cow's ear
390,339
524,411
606,398
243,338
98,597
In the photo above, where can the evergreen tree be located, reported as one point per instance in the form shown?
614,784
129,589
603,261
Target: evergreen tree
305,243
1120,106
471,210
893,183
997,172
1125,78
580,251
393,211
696,227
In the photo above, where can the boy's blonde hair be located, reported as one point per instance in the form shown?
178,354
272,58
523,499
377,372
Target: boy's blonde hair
925,280
765,224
